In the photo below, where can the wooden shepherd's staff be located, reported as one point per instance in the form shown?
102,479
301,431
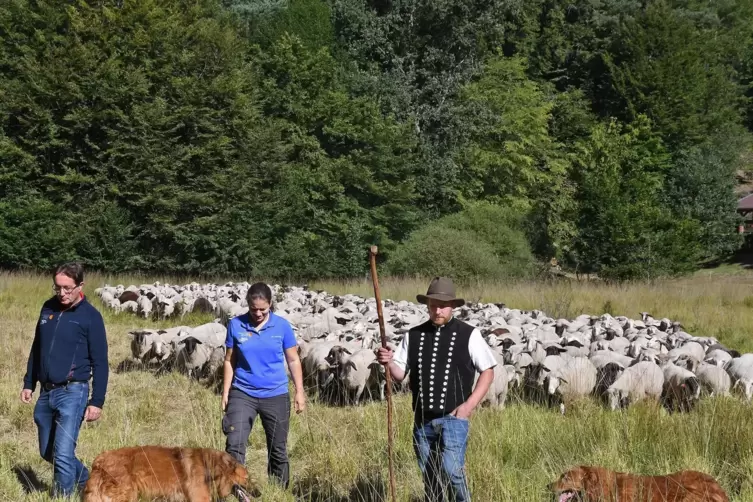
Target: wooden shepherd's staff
377,296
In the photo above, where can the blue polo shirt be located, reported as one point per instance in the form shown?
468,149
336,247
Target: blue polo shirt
260,355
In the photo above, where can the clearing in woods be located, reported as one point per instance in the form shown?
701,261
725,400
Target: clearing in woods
339,454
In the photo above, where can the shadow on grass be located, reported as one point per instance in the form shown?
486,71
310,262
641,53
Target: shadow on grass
365,489
29,480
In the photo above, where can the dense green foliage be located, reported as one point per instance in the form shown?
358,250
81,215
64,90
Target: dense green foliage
483,240
280,138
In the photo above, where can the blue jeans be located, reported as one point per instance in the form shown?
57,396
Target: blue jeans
440,449
58,415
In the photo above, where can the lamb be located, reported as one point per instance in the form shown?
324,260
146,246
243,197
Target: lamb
164,346
740,370
642,380
714,379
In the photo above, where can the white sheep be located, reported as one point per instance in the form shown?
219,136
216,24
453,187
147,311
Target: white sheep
497,393
129,306
141,345
718,357
573,380
165,345
144,306
640,381
740,370
681,389
354,373
714,379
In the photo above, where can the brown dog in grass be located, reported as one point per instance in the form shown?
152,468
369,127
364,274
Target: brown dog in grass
596,484
177,474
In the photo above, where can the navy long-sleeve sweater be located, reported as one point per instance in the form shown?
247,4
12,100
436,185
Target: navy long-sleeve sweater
70,344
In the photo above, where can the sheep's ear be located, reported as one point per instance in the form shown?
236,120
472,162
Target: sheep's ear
161,332
351,364
347,351
562,380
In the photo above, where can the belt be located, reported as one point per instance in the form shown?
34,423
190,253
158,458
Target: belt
50,385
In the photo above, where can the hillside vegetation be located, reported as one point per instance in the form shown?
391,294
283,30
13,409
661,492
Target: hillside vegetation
282,137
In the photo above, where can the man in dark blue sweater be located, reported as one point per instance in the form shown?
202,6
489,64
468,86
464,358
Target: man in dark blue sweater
69,347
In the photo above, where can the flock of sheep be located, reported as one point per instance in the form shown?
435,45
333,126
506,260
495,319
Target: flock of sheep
616,359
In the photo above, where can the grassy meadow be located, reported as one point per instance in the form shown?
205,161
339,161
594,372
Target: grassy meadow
340,454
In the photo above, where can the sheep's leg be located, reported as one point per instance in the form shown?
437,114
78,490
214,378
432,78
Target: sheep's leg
359,391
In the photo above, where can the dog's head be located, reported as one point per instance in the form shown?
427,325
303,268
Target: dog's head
575,484
230,477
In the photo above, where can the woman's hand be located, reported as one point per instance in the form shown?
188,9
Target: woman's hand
300,401
224,401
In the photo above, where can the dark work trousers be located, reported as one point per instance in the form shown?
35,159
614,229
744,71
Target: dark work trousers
275,419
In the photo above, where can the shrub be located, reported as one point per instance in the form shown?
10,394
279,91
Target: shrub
482,241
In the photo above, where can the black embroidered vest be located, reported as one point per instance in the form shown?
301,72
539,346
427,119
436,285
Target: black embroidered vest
440,368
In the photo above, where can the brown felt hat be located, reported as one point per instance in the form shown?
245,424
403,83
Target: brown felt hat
441,288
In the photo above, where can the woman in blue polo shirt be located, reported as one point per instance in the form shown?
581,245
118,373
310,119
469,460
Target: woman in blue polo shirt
258,345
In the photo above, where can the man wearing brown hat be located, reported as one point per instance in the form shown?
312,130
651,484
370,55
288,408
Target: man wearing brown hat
442,356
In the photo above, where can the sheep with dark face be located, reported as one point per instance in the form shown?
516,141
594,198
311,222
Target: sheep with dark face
575,379
194,347
141,346
353,373
643,380
195,356
681,389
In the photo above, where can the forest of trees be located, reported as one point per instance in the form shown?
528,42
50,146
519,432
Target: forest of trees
281,138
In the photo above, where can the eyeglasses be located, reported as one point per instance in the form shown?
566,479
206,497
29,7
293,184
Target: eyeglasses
64,289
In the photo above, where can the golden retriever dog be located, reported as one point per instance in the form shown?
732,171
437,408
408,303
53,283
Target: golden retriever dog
596,484
176,474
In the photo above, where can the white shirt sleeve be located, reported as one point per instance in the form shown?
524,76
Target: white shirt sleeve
401,354
481,354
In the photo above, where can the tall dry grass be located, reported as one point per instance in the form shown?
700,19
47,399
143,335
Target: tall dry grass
339,454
